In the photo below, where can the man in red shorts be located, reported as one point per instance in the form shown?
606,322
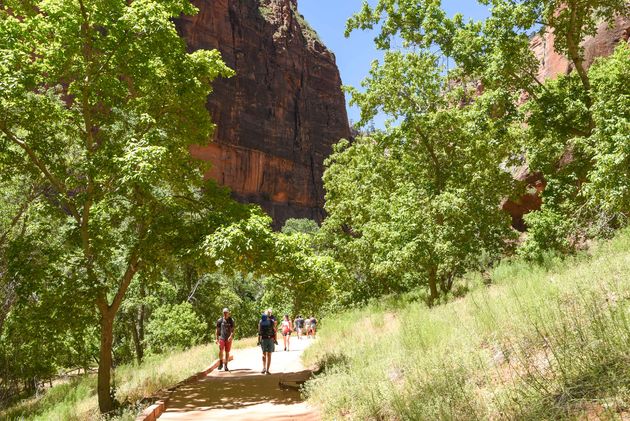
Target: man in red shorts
224,335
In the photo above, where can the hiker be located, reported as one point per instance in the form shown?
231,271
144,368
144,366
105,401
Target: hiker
225,335
287,328
266,333
313,326
275,325
307,327
299,325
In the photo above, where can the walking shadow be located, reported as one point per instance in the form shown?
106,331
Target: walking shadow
235,393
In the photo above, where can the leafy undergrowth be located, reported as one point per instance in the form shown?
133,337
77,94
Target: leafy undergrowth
76,400
544,342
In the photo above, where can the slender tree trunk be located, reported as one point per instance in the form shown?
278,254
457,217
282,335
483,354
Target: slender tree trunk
136,340
105,400
435,294
7,302
137,332
141,317
446,284
108,314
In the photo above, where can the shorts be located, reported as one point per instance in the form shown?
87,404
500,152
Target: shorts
286,333
267,345
225,344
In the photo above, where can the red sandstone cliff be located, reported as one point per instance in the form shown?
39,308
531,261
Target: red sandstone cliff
603,44
278,118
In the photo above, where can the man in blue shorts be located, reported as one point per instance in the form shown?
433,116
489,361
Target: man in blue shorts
266,335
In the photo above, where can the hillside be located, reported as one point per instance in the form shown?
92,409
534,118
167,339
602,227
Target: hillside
541,342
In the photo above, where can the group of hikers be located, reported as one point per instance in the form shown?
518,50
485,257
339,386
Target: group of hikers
267,335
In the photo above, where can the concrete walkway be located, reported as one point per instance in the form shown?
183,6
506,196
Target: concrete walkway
244,393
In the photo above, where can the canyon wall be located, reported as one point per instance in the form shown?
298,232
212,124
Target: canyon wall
603,44
278,118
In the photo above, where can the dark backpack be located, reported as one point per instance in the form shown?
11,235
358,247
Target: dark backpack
266,328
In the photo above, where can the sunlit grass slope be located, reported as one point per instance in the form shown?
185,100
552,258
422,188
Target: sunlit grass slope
76,400
542,343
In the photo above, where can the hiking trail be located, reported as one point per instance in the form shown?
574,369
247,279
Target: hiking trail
244,393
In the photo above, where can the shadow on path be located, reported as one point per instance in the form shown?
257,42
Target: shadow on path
244,393
236,393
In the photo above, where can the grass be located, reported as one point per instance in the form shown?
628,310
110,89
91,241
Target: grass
543,342
76,400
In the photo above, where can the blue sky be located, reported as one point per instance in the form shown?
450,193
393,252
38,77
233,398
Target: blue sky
355,54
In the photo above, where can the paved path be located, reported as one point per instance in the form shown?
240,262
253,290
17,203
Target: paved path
244,393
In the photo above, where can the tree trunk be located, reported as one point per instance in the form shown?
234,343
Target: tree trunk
137,332
435,294
105,399
446,284
7,302
136,340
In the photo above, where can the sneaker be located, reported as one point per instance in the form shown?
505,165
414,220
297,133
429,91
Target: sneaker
285,348
225,368
268,372
263,372
220,366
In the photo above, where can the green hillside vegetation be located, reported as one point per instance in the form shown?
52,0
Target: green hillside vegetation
547,341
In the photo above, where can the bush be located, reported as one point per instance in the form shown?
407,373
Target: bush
547,232
174,326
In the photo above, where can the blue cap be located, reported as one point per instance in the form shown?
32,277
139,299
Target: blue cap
264,317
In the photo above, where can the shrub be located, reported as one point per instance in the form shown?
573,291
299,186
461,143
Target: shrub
174,326
547,233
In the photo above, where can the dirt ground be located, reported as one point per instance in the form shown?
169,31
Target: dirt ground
244,393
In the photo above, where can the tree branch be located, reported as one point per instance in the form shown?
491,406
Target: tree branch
57,184
132,268
16,219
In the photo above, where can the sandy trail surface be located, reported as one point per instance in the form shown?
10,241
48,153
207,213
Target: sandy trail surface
244,393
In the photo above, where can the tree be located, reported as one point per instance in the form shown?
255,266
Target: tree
174,326
609,147
17,196
295,276
564,124
101,99
305,226
419,204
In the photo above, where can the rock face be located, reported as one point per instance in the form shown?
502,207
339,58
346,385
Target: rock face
278,118
603,44
553,64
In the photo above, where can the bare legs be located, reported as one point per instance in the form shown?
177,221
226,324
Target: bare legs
266,358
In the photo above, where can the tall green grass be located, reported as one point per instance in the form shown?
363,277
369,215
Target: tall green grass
76,400
543,342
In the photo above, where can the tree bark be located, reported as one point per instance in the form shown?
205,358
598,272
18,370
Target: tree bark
105,399
137,332
108,314
136,340
435,294
7,302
